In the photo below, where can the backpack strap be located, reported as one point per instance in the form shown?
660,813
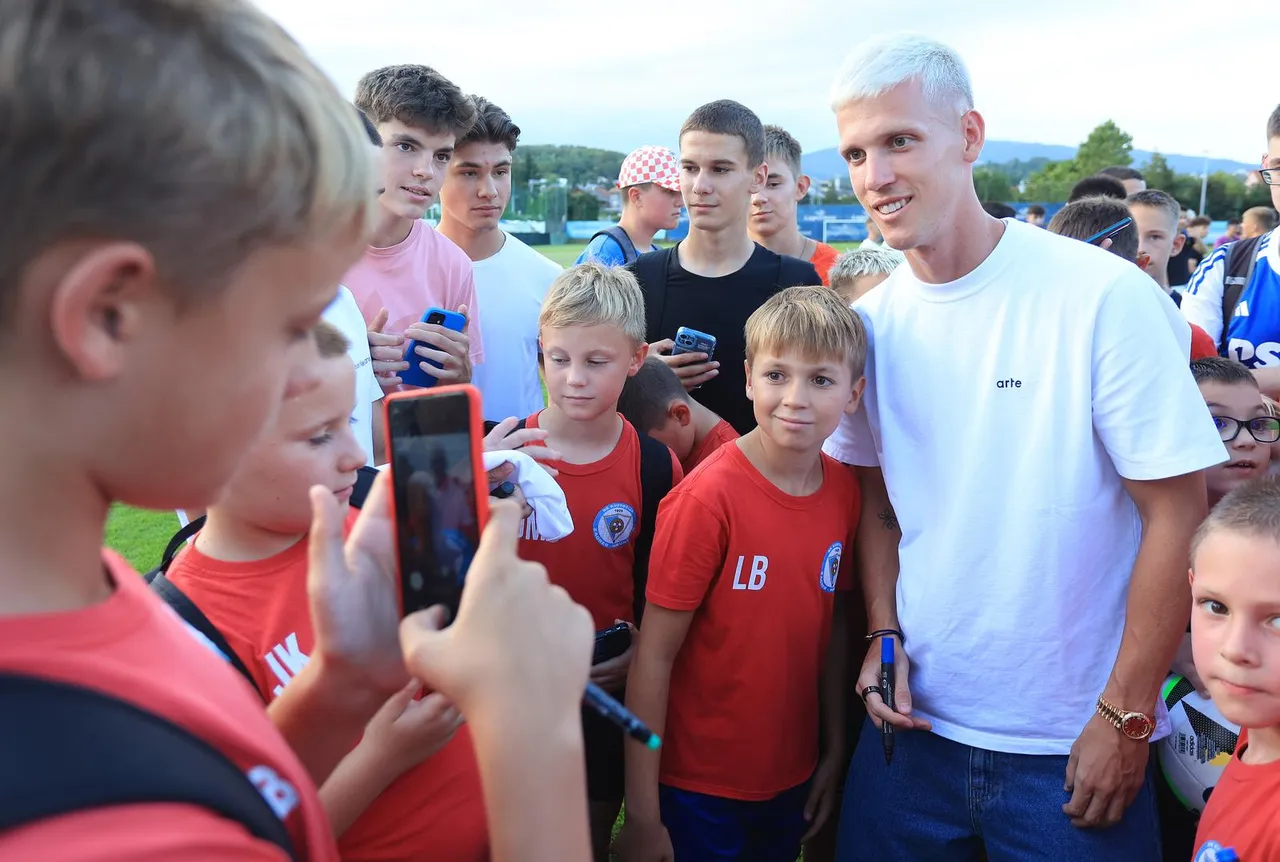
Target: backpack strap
1242,256
66,748
655,481
652,270
794,271
182,605
618,235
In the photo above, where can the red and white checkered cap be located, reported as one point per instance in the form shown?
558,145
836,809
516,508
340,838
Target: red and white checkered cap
650,165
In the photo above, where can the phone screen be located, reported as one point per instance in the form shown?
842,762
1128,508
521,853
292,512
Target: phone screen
437,525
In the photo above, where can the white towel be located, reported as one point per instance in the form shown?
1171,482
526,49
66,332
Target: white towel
541,491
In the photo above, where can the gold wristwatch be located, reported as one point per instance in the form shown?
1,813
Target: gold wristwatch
1134,725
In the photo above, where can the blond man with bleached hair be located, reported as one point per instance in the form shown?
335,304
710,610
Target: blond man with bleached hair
1066,589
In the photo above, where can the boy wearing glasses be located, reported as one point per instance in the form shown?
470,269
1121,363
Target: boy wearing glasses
1246,426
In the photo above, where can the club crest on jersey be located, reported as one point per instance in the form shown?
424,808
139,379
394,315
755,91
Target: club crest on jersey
830,568
614,525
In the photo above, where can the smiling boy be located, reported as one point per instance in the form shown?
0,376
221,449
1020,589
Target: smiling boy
409,266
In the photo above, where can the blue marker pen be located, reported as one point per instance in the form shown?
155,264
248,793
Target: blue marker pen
603,703
886,692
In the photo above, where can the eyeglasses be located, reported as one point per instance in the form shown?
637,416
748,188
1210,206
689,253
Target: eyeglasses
1108,232
1264,429
1270,176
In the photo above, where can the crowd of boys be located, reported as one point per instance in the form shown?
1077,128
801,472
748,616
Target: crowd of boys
890,444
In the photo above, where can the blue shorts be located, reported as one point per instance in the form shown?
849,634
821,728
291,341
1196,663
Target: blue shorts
711,829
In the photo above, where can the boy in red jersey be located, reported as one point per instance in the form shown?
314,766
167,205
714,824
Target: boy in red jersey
656,403
164,313
1235,592
743,635
247,572
591,329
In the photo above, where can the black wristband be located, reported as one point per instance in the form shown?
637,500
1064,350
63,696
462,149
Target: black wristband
880,632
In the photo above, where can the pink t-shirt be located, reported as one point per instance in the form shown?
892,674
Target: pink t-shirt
424,270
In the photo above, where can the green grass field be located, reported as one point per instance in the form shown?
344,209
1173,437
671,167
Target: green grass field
141,535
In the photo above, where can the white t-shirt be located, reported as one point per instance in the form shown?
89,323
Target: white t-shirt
344,314
510,287
1004,408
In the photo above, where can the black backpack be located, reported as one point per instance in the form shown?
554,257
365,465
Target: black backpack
618,235
1242,256
65,748
656,479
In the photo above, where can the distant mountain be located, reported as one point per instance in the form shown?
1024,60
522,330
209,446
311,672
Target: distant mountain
824,164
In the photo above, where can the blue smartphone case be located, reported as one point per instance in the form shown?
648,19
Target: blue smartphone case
692,341
414,375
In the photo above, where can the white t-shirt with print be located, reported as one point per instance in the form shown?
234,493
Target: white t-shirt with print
510,288
1004,408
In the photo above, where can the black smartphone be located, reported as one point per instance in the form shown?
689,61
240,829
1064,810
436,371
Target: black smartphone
611,643
440,498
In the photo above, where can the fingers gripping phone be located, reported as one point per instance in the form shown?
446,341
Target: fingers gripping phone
692,341
611,643
439,491
414,375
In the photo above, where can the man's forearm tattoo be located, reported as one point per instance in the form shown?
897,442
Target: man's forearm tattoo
888,519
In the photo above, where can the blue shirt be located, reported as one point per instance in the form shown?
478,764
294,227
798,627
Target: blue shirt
1253,333
605,249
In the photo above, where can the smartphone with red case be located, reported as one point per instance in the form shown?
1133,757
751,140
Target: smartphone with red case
440,497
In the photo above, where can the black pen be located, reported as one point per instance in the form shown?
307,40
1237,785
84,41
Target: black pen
886,692
604,703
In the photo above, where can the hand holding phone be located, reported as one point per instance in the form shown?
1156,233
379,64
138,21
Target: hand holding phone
693,369
692,341
519,648
615,648
439,340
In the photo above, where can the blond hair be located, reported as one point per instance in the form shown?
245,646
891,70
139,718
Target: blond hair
196,128
330,342
1251,509
811,321
592,294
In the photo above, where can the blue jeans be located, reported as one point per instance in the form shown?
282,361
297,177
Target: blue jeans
713,829
941,800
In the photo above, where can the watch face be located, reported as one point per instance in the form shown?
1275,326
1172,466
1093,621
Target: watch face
1136,726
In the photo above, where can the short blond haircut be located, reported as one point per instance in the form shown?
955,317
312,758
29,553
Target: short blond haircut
591,294
330,342
861,262
812,321
196,128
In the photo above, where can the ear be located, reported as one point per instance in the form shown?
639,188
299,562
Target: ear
856,398
760,177
680,412
747,366
1179,240
802,187
99,305
637,359
974,129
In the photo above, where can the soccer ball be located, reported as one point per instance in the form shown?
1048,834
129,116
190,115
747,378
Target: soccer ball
1193,756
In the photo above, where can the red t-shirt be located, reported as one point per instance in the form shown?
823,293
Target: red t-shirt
1241,813
718,436
823,258
1202,346
434,810
594,562
760,568
133,647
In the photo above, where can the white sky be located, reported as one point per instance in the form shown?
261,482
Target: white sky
1180,76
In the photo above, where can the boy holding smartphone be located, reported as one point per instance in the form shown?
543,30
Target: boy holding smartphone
409,265
99,313
744,641
247,572
591,331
